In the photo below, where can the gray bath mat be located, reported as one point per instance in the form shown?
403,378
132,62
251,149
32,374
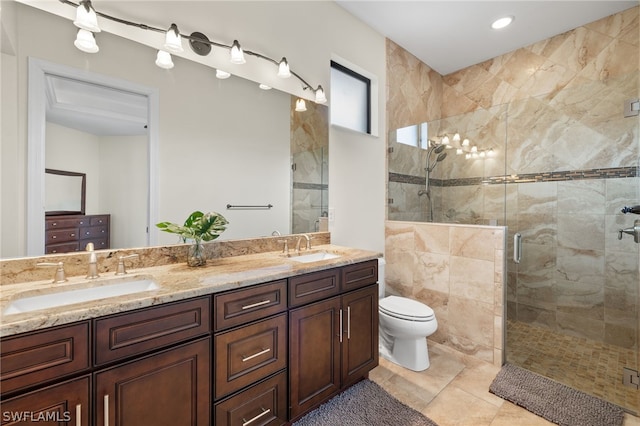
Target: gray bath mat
364,404
554,401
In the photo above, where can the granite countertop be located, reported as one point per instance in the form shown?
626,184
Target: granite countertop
175,281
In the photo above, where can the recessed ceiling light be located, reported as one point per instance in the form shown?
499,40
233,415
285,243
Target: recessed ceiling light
502,22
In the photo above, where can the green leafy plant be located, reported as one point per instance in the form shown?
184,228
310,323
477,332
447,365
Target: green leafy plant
198,227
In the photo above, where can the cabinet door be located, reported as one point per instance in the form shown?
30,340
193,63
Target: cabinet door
360,334
314,355
169,388
62,404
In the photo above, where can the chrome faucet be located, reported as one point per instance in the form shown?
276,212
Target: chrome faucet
93,262
300,240
122,269
59,277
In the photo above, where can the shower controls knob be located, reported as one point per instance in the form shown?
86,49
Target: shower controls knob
634,210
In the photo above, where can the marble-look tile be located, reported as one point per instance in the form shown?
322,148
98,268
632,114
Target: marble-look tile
580,326
580,266
620,335
620,193
580,197
399,235
432,238
510,414
471,242
472,279
582,232
471,325
454,406
432,272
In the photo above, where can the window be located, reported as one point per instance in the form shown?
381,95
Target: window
416,135
350,99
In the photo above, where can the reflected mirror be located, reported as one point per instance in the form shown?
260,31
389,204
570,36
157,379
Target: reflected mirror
64,192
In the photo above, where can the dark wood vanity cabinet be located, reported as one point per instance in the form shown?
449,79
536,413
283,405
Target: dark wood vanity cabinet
69,233
260,355
333,342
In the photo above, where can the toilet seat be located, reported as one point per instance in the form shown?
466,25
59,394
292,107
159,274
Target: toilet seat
405,308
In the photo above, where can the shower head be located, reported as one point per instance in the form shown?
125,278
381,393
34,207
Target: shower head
441,157
438,149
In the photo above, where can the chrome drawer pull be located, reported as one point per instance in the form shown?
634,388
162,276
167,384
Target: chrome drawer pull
264,413
340,325
348,322
79,415
106,410
254,305
262,352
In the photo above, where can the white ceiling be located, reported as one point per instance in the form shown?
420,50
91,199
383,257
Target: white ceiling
95,109
452,35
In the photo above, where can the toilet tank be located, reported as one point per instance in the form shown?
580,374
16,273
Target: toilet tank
381,286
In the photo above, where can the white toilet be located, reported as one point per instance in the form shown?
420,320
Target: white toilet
404,326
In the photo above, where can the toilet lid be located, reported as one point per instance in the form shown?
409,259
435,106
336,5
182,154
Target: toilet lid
404,308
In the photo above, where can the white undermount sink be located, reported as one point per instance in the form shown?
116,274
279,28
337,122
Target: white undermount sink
56,296
314,257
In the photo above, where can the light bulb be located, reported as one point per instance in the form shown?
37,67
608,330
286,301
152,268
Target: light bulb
467,156
173,40
283,69
465,142
163,60
482,154
502,22
445,140
320,96
456,137
237,55
301,105
86,17
86,41
474,149
264,86
222,74
459,151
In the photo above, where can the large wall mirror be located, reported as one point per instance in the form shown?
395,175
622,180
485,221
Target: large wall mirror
214,143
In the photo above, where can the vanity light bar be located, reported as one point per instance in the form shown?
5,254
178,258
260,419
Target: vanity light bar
200,44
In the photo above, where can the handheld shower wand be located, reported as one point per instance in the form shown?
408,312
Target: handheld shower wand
437,149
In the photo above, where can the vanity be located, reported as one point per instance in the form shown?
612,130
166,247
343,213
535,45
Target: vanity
255,339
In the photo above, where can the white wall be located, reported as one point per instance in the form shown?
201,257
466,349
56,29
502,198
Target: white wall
309,34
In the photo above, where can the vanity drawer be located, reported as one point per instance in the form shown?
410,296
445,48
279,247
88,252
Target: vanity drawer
42,356
123,335
98,243
99,220
94,232
262,404
61,248
250,353
359,275
61,235
65,222
308,288
249,304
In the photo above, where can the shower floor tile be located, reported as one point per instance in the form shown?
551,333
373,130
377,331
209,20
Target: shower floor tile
583,364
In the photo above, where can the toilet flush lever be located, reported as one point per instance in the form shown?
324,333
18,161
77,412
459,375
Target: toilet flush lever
635,231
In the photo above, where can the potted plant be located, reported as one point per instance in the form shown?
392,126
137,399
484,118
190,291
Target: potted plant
199,227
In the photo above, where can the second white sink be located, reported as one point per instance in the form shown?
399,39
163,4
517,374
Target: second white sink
314,257
55,297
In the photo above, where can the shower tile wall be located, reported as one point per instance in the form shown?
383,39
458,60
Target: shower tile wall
309,163
563,99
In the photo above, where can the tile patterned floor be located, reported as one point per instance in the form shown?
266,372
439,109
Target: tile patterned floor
454,391
590,366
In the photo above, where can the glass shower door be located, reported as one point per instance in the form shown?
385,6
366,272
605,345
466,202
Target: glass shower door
572,300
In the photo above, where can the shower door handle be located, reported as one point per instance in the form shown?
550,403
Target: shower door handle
517,247
635,231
